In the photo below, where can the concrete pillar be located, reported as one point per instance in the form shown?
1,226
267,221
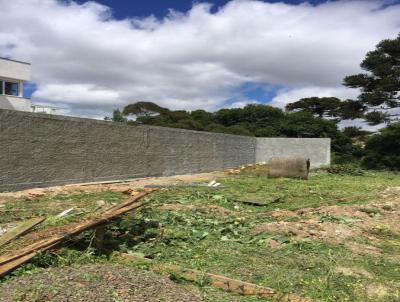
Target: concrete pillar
20,88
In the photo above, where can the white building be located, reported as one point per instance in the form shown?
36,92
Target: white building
13,74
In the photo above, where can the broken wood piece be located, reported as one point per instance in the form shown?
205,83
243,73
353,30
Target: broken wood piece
75,229
218,281
12,265
254,202
130,201
130,192
20,229
64,213
98,240
191,185
258,202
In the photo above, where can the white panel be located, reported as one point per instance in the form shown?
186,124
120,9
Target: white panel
15,70
15,103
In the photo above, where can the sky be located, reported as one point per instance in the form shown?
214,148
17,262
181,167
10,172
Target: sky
89,58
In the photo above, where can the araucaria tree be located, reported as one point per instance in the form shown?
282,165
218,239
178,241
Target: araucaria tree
380,84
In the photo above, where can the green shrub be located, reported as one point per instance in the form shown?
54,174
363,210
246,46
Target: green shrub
345,170
382,149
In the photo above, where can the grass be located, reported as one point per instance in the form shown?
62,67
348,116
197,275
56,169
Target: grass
217,236
84,206
47,205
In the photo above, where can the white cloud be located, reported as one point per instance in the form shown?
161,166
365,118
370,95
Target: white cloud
84,59
88,94
285,96
241,103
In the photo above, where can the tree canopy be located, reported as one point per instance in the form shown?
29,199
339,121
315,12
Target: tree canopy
382,149
143,109
253,120
319,106
380,84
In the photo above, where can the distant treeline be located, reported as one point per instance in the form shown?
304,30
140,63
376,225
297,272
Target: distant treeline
377,103
252,120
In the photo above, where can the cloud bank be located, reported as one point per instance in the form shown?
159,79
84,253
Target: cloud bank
85,60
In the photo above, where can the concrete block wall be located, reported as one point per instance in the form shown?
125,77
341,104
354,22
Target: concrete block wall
318,150
38,150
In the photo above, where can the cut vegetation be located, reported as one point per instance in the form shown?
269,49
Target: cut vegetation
335,237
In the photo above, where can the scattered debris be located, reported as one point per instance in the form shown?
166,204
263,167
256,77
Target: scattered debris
12,261
64,213
195,184
213,184
130,192
112,185
20,229
35,194
258,201
5,227
100,203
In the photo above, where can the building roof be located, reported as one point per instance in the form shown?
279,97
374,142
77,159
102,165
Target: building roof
17,70
12,60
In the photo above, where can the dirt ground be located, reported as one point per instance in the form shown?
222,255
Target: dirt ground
114,186
194,224
341,223
95,283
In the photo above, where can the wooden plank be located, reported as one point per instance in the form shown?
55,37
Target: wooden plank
20,229
76,229
12,265
129,202
219,281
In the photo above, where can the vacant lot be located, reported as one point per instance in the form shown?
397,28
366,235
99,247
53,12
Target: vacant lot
331,238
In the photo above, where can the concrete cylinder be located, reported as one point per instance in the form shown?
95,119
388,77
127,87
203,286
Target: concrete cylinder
291,167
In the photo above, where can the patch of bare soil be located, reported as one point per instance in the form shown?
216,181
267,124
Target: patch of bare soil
341,223
256,169
95,283
353,271
115,186
308,229
363,249
204,209
376,291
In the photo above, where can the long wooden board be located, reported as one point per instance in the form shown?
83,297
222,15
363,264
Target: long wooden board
218,281
11,261
20,229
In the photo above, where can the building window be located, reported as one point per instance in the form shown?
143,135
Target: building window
11,88
1,87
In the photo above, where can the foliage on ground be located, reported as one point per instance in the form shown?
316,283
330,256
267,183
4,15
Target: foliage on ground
331,238
84,205
108,283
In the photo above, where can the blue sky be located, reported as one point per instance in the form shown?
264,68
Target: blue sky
159,8
93,57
